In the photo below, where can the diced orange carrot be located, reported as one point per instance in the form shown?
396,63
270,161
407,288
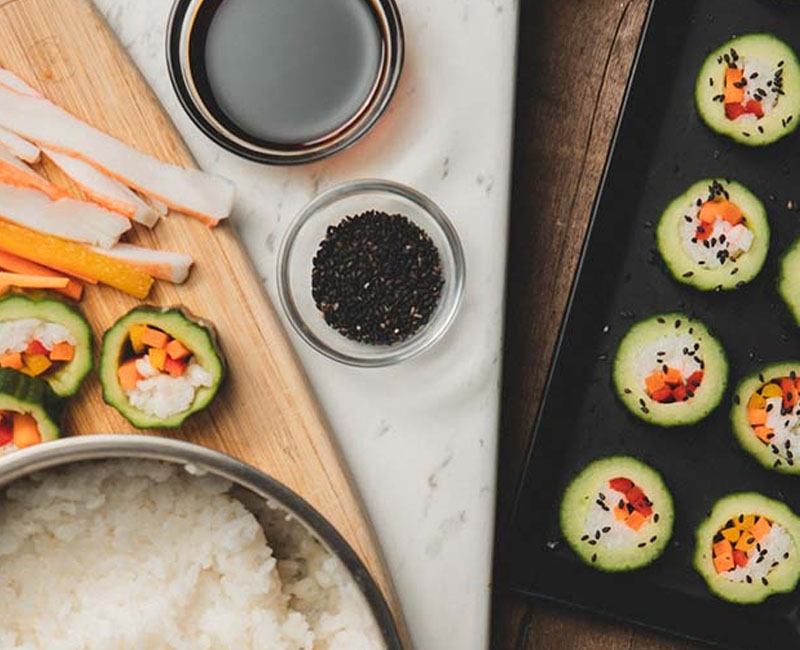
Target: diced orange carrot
765,434
62,351
157,357
654,381
9,262
155,338
723,547
177,350
729,212
35,364
128,375
635,520
760,529
708,213
620,514
757,416
32,281
733,94
673,377
26,431
732,534
11,360
73,259
174,367
723,563
745,543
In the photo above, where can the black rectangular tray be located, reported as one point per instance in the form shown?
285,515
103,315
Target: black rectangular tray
661,147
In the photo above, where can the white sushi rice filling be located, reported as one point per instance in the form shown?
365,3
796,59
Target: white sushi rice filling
602,526
673,350
777,542
736,240
764,72
161,395
786,428
15,335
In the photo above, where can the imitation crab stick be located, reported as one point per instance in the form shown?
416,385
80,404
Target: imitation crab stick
73,259
103,190
31,281
19,147
164,265
15,172
14,264
206,197
67,218
15,83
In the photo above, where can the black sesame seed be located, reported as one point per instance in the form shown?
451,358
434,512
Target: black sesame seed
764,582
584,538
677,323
607,529
642,544
749,580
594,557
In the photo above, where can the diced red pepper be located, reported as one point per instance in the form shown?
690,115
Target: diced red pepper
6,429
695,379
643,505
680,393
664,395
754,107
174,367
634,494
36,347
733,111
740,558
620,484
703,231
789,392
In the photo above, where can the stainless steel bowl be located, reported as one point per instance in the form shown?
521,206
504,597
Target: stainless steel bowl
258,492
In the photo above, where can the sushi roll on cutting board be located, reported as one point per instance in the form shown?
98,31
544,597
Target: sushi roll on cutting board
749,89
714,236
617,514
766,416
670,371
749,548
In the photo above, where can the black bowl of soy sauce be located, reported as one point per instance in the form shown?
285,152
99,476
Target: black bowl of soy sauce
285,81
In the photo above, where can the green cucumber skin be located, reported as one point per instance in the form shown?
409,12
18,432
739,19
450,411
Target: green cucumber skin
32,393
156,316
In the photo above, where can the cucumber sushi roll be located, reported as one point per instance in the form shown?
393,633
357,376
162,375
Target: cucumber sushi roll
714,236
749,548
45,338
789,279
29,411
766,416
749,89
159,366
617,514
670,371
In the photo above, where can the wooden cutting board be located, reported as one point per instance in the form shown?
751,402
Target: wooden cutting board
266,414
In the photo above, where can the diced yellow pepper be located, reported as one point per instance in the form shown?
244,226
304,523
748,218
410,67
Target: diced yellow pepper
731,534
35,364
747,522
136,336
746,543
772,390
157,356
756,402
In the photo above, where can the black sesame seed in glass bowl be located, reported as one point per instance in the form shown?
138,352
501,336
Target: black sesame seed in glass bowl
371,273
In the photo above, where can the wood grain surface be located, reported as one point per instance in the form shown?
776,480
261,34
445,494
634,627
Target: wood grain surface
574,60
265,414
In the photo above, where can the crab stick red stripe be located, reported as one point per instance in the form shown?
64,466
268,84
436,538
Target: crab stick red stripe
105,191
206,197
19,147
15,172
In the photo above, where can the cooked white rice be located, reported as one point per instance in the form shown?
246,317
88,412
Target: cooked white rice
119,555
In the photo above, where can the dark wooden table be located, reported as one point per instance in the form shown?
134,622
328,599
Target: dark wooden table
574,60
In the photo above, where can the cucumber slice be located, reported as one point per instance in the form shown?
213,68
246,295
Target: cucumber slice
590,523
22,394
196,334
783,548
66,381
776,447
789,279
715,263
766,56
687,345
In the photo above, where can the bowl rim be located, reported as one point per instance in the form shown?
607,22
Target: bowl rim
66,451
395,353
179,28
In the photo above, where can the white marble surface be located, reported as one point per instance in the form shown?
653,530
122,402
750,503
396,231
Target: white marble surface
420,438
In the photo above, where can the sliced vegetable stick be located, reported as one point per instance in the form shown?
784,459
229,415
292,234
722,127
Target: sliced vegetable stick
19,147
9,262
201,195
15,83
164,265
67,218
32,281
105,191
8,257
15,172
73,259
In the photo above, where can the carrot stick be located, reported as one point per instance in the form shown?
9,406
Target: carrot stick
32,281
73,259
9,262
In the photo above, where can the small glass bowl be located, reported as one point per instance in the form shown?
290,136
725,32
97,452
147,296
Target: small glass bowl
300,245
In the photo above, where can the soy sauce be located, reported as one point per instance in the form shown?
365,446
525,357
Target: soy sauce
291,71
